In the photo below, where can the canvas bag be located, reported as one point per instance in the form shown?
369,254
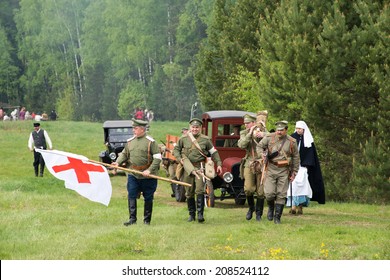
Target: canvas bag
209,169
179,171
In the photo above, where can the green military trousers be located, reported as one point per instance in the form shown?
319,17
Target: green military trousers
276,184
252,183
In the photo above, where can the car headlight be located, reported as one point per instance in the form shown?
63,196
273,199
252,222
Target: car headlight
228,177
112,156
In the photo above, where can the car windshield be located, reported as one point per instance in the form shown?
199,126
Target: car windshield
227,135
119,134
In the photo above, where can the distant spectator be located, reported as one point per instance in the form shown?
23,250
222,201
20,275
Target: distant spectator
1,113
45,117
6,118
38,117
53,115
22,114
28,116
150,116
14,115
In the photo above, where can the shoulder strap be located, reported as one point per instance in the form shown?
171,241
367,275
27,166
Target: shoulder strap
284,141
193,140
273,142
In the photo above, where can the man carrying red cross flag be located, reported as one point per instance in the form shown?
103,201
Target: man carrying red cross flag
88,179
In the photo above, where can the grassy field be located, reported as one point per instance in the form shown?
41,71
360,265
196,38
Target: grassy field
41,220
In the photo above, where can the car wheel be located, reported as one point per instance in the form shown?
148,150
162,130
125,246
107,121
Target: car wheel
180,193
210,196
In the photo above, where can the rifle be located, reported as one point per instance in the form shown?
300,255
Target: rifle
265,165
166,148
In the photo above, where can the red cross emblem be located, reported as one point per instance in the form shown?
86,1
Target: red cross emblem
81,168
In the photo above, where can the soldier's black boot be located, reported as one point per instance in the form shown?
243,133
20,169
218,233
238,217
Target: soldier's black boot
132,211
191,209
200,200
41,172
148,209
251,204
271,209
259,208
278,213
173,187
36,171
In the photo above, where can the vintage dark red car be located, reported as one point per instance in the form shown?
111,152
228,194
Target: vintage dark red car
223,128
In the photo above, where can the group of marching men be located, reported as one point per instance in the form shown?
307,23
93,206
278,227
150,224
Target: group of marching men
277,168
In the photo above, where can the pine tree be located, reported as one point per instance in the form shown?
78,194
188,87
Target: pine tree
327,64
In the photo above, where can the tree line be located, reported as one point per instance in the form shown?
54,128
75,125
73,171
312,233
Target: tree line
325,62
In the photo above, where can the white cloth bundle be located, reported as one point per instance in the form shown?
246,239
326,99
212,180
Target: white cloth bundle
300,185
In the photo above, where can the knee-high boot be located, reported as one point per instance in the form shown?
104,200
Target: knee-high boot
41,170
200,202
259,208
251,204
173,187
271,209
132,212
148,209
191,208
278,213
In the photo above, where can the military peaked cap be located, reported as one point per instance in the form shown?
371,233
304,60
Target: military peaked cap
139,122
196,121
281,125
249,118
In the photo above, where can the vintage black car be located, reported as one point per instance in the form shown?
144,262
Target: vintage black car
116,134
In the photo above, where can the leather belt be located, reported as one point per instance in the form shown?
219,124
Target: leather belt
140,167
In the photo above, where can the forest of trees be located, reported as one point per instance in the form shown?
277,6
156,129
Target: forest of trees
325,62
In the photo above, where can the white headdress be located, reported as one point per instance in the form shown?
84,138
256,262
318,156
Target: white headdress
307,137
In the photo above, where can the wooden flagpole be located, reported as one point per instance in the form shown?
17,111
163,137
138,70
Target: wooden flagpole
140,173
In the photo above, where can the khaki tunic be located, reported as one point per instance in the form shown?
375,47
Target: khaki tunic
277,178
251,181
193,159
141,153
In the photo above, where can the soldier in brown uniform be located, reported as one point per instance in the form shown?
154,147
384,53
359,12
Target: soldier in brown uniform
192,158
140,153
283,164
251,181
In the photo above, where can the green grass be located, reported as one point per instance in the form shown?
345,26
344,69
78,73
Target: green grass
40,219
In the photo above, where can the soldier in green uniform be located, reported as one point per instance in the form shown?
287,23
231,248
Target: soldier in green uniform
192,158
140,153
252,186
281,152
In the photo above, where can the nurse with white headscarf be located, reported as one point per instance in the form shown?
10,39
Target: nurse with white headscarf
308,184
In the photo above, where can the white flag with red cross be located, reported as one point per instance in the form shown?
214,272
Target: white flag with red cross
88,179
